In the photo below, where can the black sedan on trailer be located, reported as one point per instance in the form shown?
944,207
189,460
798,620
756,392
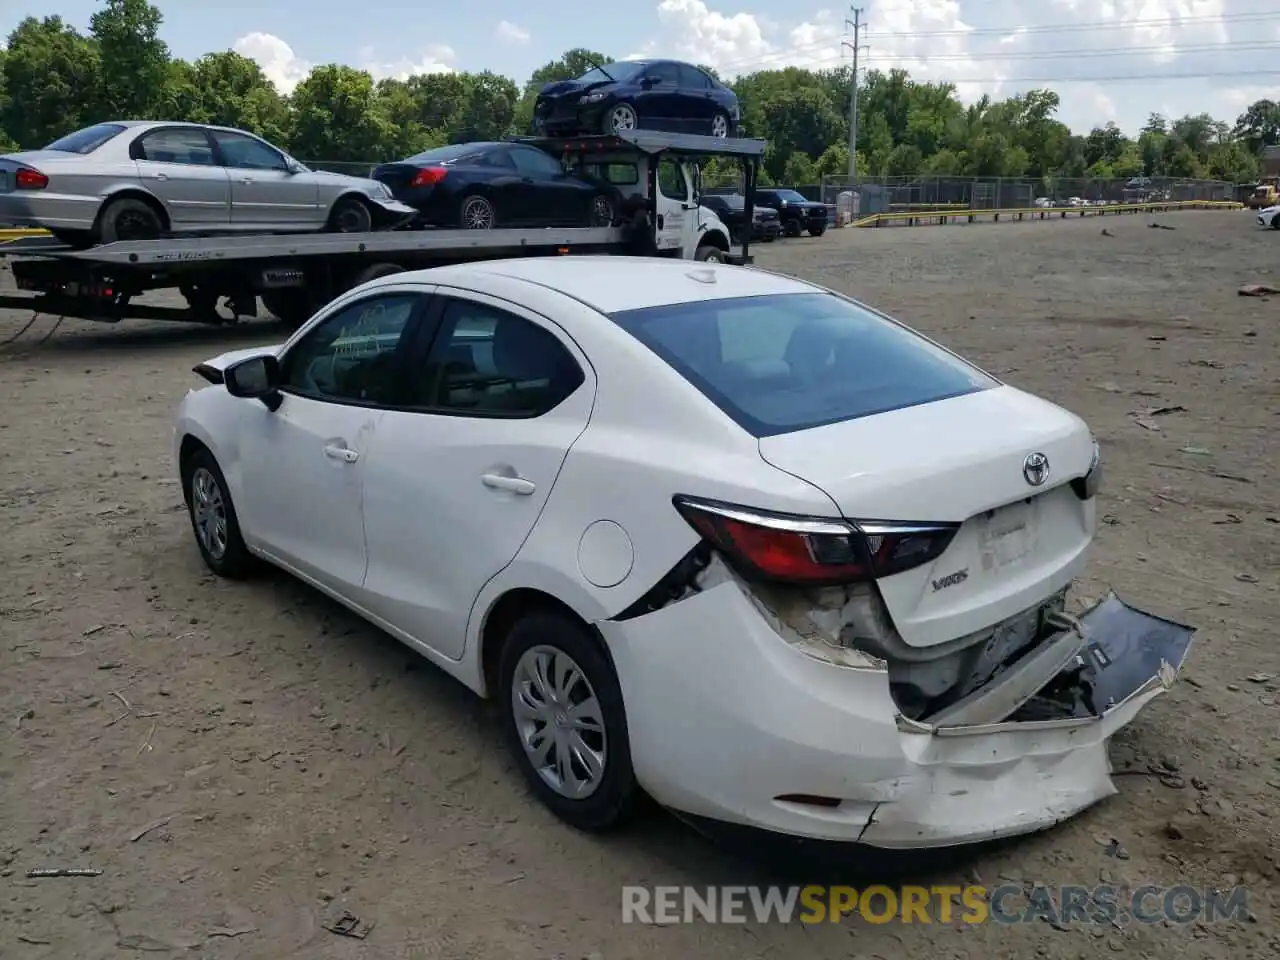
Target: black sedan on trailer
479,186
797,212
731,208
635,94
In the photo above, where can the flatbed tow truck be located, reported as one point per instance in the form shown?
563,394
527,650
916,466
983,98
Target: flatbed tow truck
296,274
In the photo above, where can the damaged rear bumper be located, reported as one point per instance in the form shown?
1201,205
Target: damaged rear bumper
730,722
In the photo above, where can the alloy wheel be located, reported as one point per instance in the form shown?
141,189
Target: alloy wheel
623,117
477,214
559,721
209,510
720,126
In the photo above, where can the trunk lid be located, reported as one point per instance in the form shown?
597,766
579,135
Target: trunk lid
959,460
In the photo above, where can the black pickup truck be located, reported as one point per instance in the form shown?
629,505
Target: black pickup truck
731,208
796,212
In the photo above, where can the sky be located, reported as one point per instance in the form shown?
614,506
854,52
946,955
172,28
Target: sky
1109,60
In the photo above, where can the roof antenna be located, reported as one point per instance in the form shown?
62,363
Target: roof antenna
706,275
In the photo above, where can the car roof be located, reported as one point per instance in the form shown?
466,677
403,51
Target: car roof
611,284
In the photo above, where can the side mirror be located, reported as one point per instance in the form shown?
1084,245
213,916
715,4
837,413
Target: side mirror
254,378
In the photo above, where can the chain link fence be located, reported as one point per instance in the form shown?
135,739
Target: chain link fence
869,195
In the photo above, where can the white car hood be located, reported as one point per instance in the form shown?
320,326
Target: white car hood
1274,208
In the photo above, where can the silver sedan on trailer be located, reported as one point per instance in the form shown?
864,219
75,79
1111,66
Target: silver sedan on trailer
142,179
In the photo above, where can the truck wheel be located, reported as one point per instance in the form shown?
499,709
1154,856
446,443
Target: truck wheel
127,218
291,306
709,253
376,271
791,228
817,231
349,215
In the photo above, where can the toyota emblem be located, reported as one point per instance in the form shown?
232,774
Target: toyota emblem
1035,469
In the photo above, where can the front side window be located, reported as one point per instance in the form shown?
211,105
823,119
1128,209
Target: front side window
185,145
247,153
351,356
486,362
671,180
663,73
786,362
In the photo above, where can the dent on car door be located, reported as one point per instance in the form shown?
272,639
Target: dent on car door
176,165
304,464
265,192
460,475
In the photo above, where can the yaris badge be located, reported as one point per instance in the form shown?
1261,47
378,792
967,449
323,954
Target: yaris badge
1035,469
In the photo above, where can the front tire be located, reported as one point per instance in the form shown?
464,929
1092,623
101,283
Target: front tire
350,215
213,518
720,126
817,231
564,721
621,118
792,228
709,253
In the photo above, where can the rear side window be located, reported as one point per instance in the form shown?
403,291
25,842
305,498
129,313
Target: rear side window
776,364
87,140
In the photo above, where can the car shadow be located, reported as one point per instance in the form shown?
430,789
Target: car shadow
700,856
43,338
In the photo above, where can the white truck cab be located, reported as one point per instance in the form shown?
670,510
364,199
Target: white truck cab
681,226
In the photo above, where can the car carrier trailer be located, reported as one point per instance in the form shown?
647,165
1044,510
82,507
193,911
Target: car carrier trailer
296,274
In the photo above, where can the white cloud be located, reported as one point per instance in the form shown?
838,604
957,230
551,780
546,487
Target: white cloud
286,69
434,58
512,33
276,58
1003,47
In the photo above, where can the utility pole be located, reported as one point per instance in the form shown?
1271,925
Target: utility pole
857,45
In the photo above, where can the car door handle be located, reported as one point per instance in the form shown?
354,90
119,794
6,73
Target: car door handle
246,179
519,485
160,176
335,452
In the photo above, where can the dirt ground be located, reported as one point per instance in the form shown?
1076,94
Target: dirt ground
234,758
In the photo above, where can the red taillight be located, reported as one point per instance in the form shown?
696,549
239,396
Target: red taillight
27,179
428,177
812,550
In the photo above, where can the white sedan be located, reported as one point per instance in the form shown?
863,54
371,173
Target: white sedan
1269,217
701,530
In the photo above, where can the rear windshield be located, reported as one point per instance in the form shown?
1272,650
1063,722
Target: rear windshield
87,140
457,153
787,362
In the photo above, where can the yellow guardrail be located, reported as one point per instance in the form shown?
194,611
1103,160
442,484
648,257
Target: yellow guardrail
912,218
17,233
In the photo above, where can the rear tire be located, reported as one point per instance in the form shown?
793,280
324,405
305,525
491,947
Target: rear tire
127,218
213,518
350,215
291,306
548,713
476,213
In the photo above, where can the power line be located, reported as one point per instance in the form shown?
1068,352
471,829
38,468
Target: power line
1120,78
1244,47
833,40
856,47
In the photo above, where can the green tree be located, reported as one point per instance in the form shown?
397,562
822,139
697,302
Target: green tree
232,91
52,74
1259,126
336,117
134,61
